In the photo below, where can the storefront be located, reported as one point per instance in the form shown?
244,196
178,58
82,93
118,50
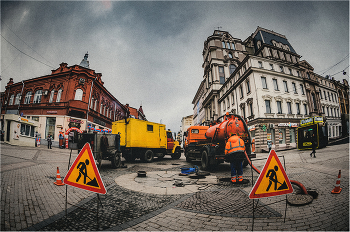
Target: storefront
20,131
312,129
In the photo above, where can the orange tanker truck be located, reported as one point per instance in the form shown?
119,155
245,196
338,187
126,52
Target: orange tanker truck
207,143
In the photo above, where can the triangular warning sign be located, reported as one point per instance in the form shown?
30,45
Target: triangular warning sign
84,173
272,181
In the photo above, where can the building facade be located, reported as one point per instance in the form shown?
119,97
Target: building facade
71,96
263,80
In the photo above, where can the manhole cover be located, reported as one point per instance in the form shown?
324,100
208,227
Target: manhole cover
299,199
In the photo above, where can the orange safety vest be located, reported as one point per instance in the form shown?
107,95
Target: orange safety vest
234,144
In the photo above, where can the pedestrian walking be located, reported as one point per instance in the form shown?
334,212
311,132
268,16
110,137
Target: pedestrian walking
49,141
314,144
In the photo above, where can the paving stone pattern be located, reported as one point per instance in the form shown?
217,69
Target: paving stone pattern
119,206
230,203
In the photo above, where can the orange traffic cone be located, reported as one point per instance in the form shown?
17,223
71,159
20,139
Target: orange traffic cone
58,178
337,188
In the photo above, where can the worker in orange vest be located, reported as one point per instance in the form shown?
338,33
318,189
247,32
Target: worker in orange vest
235,149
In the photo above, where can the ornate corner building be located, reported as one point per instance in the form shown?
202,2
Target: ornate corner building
263,80
71,96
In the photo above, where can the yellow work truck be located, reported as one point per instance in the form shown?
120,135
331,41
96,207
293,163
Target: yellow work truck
145,140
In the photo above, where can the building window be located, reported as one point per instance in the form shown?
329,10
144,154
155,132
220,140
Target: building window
150,128
241,91
260,64
95,105
51,95
268,108
325,96
221,75
289,105
305,109
308,76
250,109
275,85
223,44
27,130
281,68
233,46
314,101
28,97
59,93
271,66
233,99
329,96
263,82
294,88
282,136
298,108
78,95
323,109
232,68
248,87
332,97
17,99
101,106
92,103
285,86
298,73
11,100
37,96
279,107
290,72
321,95
302,89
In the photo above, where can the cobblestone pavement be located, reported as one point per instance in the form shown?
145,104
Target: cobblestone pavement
30,200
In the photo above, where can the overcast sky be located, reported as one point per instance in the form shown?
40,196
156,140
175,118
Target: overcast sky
150,53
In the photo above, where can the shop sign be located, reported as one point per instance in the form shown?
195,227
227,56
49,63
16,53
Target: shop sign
318,119
25,120
75,120
251,128
51,112
306,121
288,124
268,136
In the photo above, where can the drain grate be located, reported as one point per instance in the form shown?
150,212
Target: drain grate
233,203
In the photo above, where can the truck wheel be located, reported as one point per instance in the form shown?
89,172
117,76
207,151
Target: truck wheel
177,154
116,160
205,160
148,156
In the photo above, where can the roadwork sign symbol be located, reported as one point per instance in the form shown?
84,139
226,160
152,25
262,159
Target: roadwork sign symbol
84,173
272,181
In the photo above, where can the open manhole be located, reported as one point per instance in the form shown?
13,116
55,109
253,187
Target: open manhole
141,173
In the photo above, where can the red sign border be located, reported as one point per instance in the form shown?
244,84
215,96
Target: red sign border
97,173
252,194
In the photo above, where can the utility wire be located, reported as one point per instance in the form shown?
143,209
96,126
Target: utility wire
335,65
25,42
26,53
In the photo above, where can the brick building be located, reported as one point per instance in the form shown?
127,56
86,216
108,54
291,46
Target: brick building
71,96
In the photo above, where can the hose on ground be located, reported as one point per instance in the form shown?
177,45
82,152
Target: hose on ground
300,185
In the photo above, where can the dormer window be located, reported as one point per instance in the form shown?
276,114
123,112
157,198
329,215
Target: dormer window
223,44
230,55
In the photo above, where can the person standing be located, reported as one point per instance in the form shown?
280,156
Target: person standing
269,145
235,149
49,142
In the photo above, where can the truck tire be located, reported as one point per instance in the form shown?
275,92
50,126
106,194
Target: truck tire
116,160
177,154
148,156
205,160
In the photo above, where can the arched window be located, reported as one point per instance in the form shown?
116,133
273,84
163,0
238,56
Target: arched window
11,100
28,97
78,95
37,96
51,95
59,93
17,99
230,55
